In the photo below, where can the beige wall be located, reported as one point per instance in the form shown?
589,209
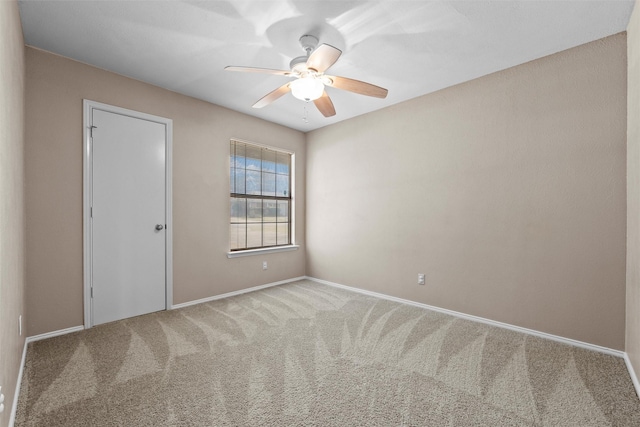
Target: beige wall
12,280
55,89
507,191
633,189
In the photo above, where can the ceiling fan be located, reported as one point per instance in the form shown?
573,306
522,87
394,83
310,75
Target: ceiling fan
310,80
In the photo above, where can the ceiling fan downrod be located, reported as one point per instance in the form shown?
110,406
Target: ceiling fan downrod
308,44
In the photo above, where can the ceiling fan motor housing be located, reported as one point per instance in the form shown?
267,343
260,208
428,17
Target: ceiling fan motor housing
298,64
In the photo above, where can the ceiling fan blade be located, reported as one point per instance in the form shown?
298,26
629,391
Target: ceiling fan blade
272,96
325,105
258,70
323,57
357,86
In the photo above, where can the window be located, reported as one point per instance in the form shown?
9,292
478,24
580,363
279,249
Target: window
261,200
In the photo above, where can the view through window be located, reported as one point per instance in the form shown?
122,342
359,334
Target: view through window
260,197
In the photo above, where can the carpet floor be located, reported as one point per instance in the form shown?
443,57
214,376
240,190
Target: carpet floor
307,354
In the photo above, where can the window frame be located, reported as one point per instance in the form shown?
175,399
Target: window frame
232,253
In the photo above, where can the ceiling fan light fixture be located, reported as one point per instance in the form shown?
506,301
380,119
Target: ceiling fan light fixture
307,89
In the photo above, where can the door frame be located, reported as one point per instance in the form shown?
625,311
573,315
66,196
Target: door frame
87,197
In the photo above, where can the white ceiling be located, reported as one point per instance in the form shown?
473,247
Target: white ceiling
409,47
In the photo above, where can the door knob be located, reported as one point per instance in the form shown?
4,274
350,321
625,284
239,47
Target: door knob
159,227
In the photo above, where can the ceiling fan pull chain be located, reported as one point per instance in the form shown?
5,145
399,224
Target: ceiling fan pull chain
304,117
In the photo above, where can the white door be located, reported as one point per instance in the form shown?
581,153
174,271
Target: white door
128,216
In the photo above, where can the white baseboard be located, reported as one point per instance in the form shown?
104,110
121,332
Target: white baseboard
16,395
552,337
54,334
632,373
14,406
234,293
569,341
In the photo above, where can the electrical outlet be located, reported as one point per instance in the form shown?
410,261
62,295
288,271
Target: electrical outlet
264,265
420,278
20,325
1,400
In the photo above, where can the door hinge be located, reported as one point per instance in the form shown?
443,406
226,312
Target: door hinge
92,292
91,128
91,212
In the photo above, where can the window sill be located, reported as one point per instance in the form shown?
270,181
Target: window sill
237,254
